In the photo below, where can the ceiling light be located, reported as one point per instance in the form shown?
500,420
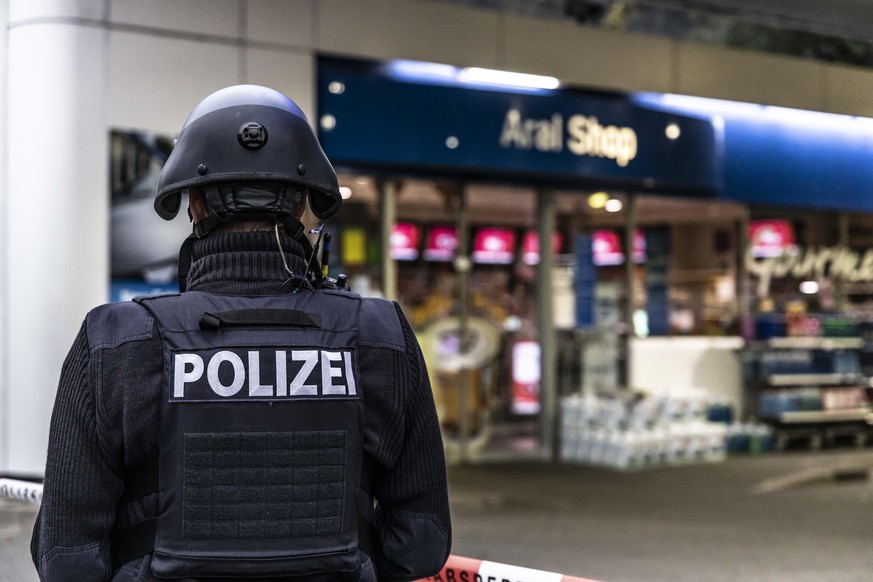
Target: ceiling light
440,74
495,77
336,87
613,205
419,70
673,131
598,200
345,192
328,122
809,287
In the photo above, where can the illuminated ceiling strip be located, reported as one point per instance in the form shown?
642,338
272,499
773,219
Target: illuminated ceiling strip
509,78
435,72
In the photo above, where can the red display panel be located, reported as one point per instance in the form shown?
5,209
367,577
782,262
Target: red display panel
639,247
442,243
607,248
526,375
770,238
495,246
405,241
530,246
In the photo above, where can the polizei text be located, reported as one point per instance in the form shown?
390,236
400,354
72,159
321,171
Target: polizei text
254,373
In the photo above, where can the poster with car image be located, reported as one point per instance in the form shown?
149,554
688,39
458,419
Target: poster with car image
144,248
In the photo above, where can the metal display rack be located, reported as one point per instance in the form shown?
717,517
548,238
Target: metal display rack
810,390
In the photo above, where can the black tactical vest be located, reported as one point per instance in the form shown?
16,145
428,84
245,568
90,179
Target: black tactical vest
261,436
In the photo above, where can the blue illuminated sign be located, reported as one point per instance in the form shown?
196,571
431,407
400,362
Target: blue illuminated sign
426,120
786,157
584,281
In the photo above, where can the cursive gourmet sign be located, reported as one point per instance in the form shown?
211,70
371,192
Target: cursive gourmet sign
838,263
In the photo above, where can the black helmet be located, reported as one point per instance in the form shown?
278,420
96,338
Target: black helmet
245,145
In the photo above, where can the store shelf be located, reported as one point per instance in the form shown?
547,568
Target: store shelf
811,343
824,416
814,379
810,387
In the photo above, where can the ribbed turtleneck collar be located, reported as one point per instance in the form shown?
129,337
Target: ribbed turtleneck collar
244,263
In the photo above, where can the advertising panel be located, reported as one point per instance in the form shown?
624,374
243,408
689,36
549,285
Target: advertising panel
608,250
526,373
405,241
494,246
144,248
442,244
770,238
530,246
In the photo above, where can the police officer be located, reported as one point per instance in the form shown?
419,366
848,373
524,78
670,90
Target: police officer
263,423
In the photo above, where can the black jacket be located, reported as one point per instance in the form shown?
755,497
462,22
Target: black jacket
106,417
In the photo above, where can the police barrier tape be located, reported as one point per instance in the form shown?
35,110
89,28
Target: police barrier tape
457,568
21,490
460,569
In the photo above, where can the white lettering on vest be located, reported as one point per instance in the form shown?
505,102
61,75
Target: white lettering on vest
239,373
316,373
328,373
281,374
350,375
310,360
255,386
183,376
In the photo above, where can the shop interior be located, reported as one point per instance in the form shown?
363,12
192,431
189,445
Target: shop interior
793,287
717,250
503,412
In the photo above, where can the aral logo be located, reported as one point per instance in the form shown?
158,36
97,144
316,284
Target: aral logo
253,373
582,135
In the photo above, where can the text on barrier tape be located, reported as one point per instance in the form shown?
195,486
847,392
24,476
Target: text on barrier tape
460,569
21,490
456,569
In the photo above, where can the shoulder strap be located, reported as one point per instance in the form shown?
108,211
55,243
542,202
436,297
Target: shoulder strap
133,542
367,538
380,325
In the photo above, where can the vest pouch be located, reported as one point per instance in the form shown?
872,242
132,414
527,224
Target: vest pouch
261,445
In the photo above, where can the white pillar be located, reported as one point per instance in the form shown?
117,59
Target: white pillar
55,247
4,337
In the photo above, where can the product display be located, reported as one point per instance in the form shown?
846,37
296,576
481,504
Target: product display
805,377
638,431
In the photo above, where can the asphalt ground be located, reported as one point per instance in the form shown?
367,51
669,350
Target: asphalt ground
794,516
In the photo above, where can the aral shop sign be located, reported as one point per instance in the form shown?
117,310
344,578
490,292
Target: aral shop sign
835,263
404,118
581,135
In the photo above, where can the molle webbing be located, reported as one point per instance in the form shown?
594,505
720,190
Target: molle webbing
264,485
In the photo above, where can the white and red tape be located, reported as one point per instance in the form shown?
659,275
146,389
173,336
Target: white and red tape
457,568
460,569
21,490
